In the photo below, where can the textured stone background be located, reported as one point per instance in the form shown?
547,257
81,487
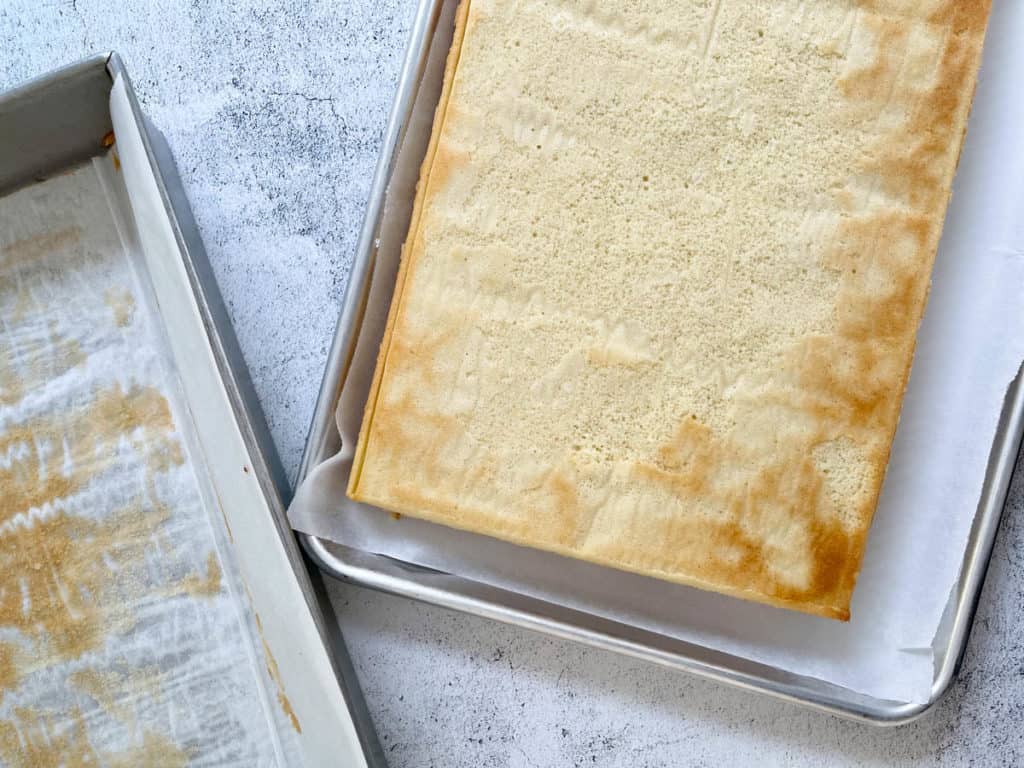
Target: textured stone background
275,111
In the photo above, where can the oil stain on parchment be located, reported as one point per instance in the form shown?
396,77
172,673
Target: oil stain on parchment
27,252
37,740
115,691
47,459
107,689
65,579
275,675
11,387
65,353
8,668
122,305
204,586
53,353
69,570
155,750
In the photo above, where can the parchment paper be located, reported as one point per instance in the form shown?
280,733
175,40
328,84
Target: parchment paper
970,347
125,643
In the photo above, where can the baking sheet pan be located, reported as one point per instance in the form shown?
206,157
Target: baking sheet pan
478,587
187,630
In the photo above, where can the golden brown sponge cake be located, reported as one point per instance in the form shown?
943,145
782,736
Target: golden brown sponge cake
661,289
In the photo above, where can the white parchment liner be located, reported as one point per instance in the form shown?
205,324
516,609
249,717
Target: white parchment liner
178,669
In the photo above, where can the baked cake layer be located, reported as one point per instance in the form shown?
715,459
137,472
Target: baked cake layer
660,294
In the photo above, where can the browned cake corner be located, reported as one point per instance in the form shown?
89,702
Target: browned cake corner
662,285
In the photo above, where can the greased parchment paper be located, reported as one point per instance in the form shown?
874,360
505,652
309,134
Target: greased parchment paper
970,348
122,641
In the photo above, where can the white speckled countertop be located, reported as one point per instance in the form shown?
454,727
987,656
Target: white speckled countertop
275,112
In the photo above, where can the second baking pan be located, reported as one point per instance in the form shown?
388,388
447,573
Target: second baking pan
187,628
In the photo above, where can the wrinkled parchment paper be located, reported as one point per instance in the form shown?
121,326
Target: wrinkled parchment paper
970,347
122,640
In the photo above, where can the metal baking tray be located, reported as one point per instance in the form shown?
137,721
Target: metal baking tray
452,591
49,127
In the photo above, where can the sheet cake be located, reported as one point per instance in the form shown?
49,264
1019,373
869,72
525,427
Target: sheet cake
661,288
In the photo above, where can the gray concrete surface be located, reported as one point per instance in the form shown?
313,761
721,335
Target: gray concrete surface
275,111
